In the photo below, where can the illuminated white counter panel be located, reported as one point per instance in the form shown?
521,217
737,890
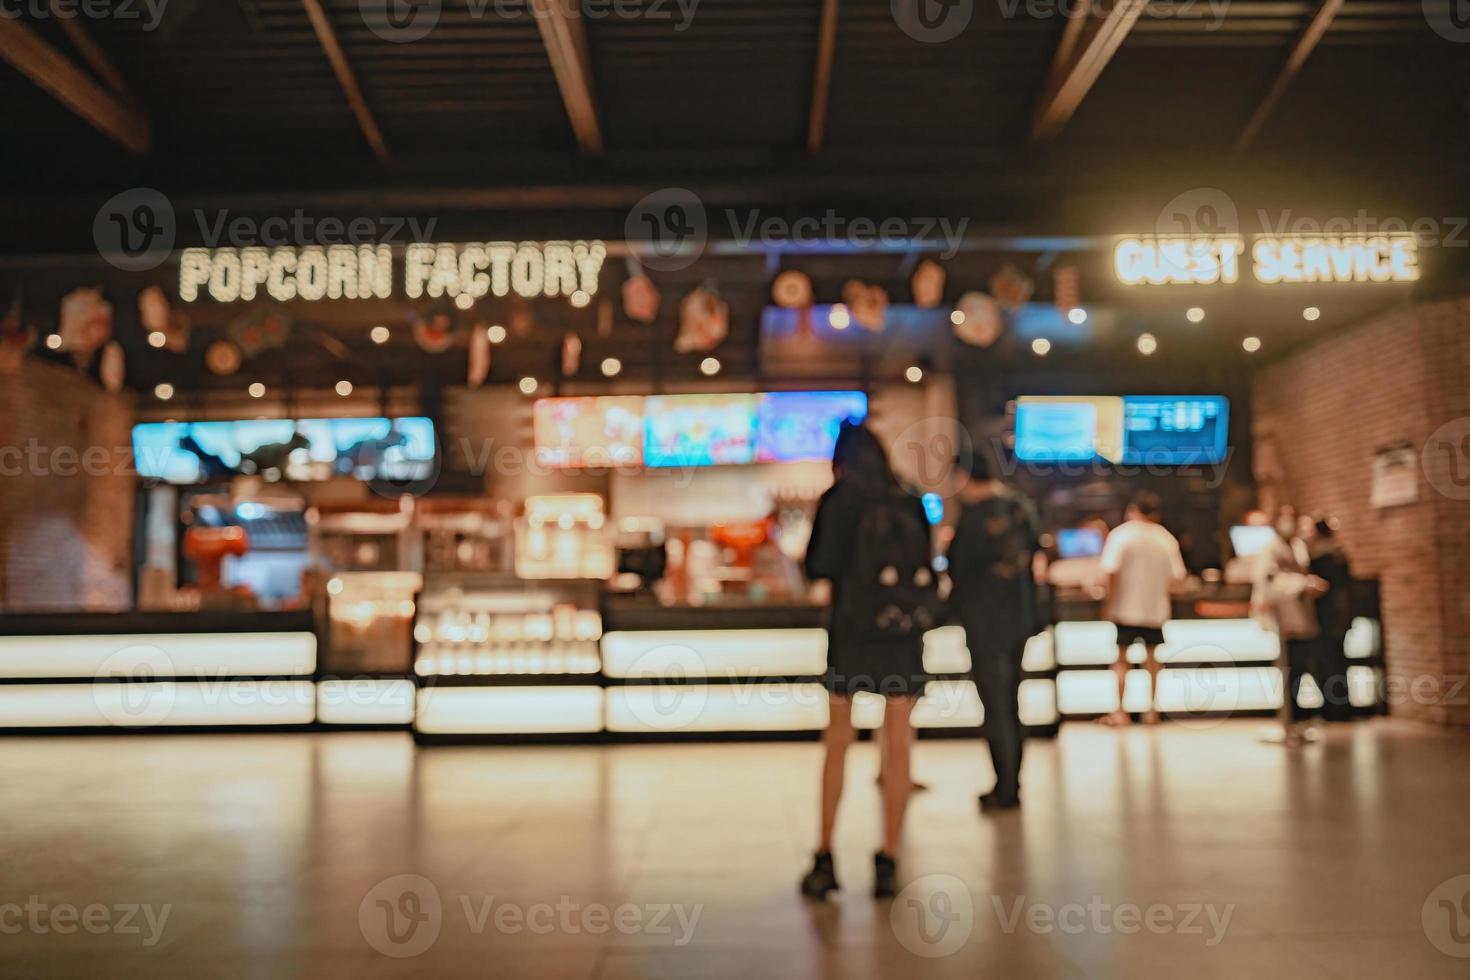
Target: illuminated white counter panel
1210,667
157,671
668,675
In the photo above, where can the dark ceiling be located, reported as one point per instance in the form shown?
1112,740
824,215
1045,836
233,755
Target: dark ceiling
248,115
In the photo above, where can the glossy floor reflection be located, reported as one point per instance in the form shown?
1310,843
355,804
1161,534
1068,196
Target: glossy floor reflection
1167,852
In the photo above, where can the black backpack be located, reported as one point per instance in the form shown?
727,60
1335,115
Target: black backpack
891,590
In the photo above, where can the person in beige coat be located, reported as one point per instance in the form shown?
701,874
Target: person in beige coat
1284,597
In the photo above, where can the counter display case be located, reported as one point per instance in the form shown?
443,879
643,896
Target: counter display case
157,671
494,656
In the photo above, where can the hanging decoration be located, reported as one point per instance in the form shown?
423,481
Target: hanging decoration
640,295
158,316
1066,288
433,333
927,284
868,304
113,367
520,317
1011,288
979,320
479,356
571,355
261,328
222,358
792,290
16,337
86,323
704,320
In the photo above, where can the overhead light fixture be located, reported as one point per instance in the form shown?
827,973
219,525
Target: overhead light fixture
1251,344
529,385
344,388
257,390
163,392
839,318
611,366
1077,315
379,334
1147,344
710,366
495,332
1041,347
157,338
1311,313
914,374
1194,314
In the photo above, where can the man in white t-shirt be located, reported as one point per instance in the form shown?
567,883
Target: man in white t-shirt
1142,561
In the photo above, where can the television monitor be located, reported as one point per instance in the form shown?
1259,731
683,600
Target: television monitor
1250,539
698,430
1133,430
803,425
1079,542
1174,430
585,432
401,449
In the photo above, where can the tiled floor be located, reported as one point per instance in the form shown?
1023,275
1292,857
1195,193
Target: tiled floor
1168,852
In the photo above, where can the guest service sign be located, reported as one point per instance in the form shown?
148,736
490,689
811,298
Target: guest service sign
1204,260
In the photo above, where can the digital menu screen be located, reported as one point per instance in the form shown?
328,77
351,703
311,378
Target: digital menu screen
698,430
293,449
693,430
1168,430
583,432
797,425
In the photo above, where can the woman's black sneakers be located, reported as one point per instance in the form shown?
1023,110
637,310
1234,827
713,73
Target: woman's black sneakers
822,878
885,875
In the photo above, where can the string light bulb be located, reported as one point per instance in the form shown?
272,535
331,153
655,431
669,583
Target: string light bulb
1041,347
709,367
611,366
163,392
1147,344
379,334
1195,314
529,385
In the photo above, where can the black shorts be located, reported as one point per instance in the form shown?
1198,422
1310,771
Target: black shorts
1149,636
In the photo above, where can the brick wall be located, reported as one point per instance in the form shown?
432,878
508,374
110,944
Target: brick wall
1321,415
66,492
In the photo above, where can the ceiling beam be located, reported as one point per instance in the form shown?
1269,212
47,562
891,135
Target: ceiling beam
33,57
822,82
565,38
1305,45
92,52
1087,45
326,35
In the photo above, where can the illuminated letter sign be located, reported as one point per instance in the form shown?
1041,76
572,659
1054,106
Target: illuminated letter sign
1206,261
1374,259
1157,261
314,272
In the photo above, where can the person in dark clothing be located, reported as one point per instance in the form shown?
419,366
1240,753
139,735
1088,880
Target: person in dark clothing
860,659
990,564
1334,612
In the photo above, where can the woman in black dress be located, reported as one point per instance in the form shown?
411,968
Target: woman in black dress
858,657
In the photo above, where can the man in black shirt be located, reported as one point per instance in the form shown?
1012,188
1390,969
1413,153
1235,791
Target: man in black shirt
990,564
